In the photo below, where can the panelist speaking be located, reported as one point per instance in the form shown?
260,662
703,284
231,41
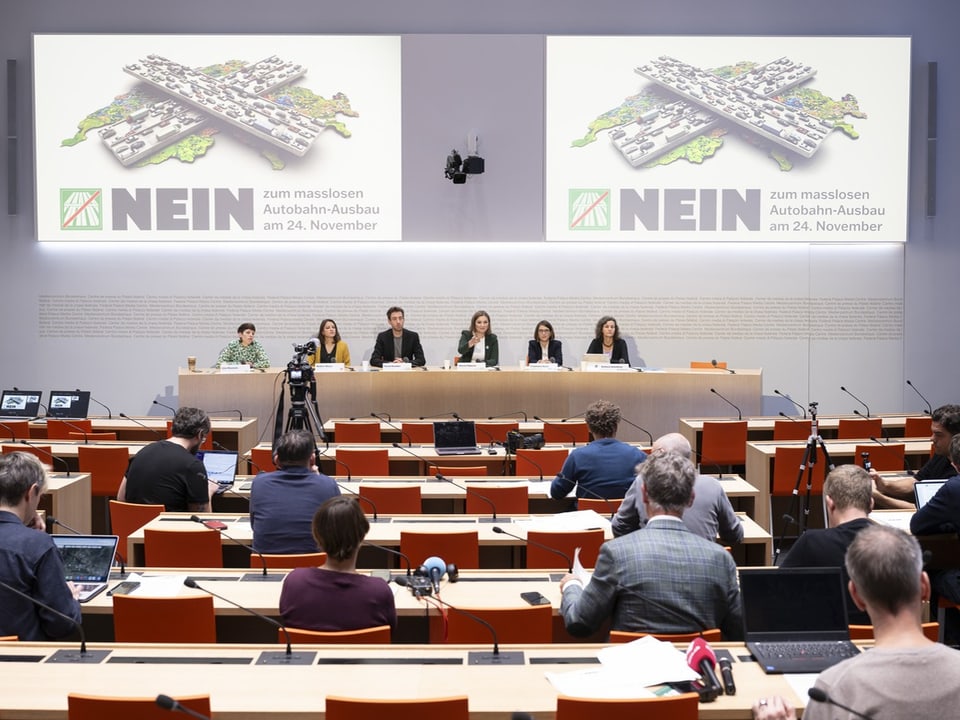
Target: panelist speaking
479,344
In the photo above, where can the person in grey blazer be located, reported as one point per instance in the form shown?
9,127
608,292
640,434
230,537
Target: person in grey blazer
664,579
710,516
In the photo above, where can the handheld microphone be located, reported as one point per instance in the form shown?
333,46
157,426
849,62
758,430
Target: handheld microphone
469,491
513,657
716,366
441,415
109,413
701,658
263,561
168,703
929,410
638,427
426,462
787,397
77,428
367,500
820,695
573,438
217,412
726,672
54,458
94,656
266,658
156,432
399,429
509,414
886,449
172,411
435,568
337,462
739,414
857,399
566,558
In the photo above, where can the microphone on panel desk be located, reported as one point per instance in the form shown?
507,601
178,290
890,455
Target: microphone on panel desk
452,414
479,657
556,427
820,695
156,432
336,461
13,435
469,491
718,366
857,399
216,525
566,558
509,414
890,453
403,433
867,417
787,397
53,458
929,410
422,459
78,429
218,412
172,410
168,703
638,427
109,412
371,503
739,414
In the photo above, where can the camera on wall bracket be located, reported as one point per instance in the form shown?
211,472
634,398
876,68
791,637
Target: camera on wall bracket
519,441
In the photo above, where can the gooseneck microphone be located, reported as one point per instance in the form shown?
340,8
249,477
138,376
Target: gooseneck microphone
393,551
168,703
156,432
336,462
820,695
217,412
597,496
701,659
739,414
929,410
77,428
109,413
787,397
537,465
717,366
482,658
509,414
13,435
172,410
554,426
371,503
249,548
890,453
54,458
567,559
469,491
426,462
638,427
267,658
399,429
857,399
441,415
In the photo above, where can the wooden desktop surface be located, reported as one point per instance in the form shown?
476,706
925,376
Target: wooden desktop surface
67,499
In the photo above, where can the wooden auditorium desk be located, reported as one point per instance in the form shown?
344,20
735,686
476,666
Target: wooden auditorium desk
34,688
65,453
68,500
653,399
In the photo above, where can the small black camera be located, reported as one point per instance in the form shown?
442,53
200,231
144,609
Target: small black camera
519,441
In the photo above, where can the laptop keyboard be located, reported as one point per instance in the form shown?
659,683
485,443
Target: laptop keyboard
87,587
841,649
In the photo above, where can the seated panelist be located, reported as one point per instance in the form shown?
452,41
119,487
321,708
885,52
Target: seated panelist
544,348
607,341
331,349
478,344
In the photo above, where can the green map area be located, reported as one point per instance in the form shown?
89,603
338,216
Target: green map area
708,144
195,146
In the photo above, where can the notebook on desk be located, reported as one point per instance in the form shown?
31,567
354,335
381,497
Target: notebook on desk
87,560
221,466
455,438
19,404
69,404
923,490
795,619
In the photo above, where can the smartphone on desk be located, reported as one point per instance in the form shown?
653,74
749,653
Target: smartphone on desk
535,598
215,524
124,588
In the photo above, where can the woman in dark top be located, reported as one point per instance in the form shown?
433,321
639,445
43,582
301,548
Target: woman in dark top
544,348
607,340
332,349
478,343
335,596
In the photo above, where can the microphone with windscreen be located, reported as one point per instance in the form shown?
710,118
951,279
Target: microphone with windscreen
717,366
702,659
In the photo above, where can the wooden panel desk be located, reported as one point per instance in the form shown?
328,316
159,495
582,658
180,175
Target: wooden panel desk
68,500
652,399
35,689
65,451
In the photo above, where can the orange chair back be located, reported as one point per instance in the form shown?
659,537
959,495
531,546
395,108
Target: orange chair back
599,505
378,634
20,429
455,470
858,428
931,631
460,548
390,499
106,464
292,560
566,433
364,462
356,432
675,707
507,499
9,638
451,708
724,443
61,429
92,707
703,365
207,441
917,427
589,542
882,457
790,430
786,466
417,432
262,460
710,635
92,436
535,462
522,624
183,619
488,432
41,452
127,517
182,548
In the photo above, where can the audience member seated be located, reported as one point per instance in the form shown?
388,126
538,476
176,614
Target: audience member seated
334,596
283,502
663,579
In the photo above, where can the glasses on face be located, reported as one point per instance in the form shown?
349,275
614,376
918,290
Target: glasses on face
543,330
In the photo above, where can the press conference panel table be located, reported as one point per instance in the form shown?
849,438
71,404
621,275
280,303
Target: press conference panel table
35,689
653,399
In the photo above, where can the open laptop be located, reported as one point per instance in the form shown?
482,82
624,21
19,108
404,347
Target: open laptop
221,466
20,404
795,619
923,490
455,438
68,404
87,560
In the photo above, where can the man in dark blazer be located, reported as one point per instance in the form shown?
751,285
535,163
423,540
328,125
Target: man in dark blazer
389,342
664,578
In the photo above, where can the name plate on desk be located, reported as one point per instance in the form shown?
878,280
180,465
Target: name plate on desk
397,367
471,367
605,367
234,368
542,367
329,367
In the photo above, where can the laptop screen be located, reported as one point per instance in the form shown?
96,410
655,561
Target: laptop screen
86,558
20,403
68,404
221,466
923,490
791,603
456,434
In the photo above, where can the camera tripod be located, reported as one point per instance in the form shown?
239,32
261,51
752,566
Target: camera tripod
814,443
303,413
